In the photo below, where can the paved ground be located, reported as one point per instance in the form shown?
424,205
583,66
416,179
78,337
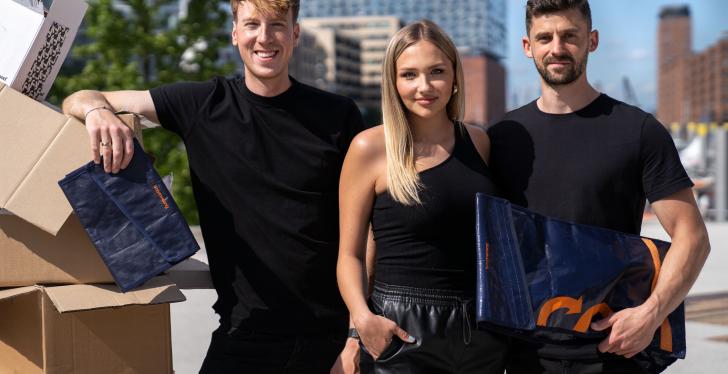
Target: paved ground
193,320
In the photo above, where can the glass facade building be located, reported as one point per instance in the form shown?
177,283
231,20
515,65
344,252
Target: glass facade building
476,26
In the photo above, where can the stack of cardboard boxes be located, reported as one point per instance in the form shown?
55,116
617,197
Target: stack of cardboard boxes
59,309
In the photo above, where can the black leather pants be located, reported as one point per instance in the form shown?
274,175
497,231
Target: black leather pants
443,324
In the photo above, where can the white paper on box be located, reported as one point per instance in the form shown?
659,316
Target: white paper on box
37,5
33,47
19,27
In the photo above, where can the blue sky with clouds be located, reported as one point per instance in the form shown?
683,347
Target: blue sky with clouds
627,46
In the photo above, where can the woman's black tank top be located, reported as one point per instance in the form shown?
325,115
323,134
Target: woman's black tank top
433,245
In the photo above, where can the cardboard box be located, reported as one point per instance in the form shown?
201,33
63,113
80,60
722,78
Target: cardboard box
32,256
38,147
33,44
84,329
135,122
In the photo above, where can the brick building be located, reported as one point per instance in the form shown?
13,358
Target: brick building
674,47
707,84
485,84
691,87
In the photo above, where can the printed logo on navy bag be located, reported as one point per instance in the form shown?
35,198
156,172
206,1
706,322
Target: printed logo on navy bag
161,197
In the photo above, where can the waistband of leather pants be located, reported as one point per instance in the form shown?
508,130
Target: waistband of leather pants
421,295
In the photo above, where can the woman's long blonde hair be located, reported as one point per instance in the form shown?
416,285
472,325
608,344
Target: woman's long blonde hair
403,182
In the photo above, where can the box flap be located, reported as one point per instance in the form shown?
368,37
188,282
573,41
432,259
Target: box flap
13,292
22,139
38,147
88,297
29,255
38,199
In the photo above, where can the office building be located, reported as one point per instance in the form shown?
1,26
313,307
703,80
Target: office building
353,49
476,26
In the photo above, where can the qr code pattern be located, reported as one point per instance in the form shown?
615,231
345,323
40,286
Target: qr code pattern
45,61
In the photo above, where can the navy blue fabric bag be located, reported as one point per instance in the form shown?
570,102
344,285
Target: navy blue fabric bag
131,218
546,280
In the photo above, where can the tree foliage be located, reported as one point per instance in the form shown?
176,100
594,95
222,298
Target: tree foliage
136,45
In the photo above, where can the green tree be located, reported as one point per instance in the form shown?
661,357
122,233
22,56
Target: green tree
133,45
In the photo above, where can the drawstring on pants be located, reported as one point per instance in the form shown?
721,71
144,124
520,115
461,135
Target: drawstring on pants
466,324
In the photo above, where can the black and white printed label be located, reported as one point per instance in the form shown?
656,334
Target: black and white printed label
47,58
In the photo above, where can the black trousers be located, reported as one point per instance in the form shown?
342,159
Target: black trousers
443,324
524,358
237,351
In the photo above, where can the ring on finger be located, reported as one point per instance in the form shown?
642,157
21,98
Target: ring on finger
105,144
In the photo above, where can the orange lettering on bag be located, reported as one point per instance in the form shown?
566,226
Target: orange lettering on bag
585,320
665,329
161,197
487,255
573,306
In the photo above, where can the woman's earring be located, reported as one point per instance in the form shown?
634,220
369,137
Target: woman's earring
454,89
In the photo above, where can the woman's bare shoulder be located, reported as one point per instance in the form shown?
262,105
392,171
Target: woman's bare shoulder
369,143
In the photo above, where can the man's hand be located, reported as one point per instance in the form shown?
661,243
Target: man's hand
348,360
110,139
632,330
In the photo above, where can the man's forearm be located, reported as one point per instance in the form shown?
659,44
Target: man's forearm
79,103
680,269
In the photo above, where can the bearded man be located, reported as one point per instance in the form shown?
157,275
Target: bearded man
579,155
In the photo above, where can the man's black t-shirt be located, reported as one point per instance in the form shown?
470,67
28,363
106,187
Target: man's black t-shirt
265,173
595,166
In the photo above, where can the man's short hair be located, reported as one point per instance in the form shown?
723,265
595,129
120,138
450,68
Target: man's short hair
269,7
535,8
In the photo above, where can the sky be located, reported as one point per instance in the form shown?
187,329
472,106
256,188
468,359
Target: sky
627,46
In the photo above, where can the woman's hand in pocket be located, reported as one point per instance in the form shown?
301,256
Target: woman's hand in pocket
376,333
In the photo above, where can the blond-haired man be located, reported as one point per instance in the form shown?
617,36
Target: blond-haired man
265,154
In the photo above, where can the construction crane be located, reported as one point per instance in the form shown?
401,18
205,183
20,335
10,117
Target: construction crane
629,95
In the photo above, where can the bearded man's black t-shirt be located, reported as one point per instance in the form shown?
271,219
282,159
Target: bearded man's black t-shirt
594,166
265,174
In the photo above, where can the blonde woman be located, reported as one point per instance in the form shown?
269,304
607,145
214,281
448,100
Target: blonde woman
414,178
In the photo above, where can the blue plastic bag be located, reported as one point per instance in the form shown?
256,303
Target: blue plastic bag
540,277
131,218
